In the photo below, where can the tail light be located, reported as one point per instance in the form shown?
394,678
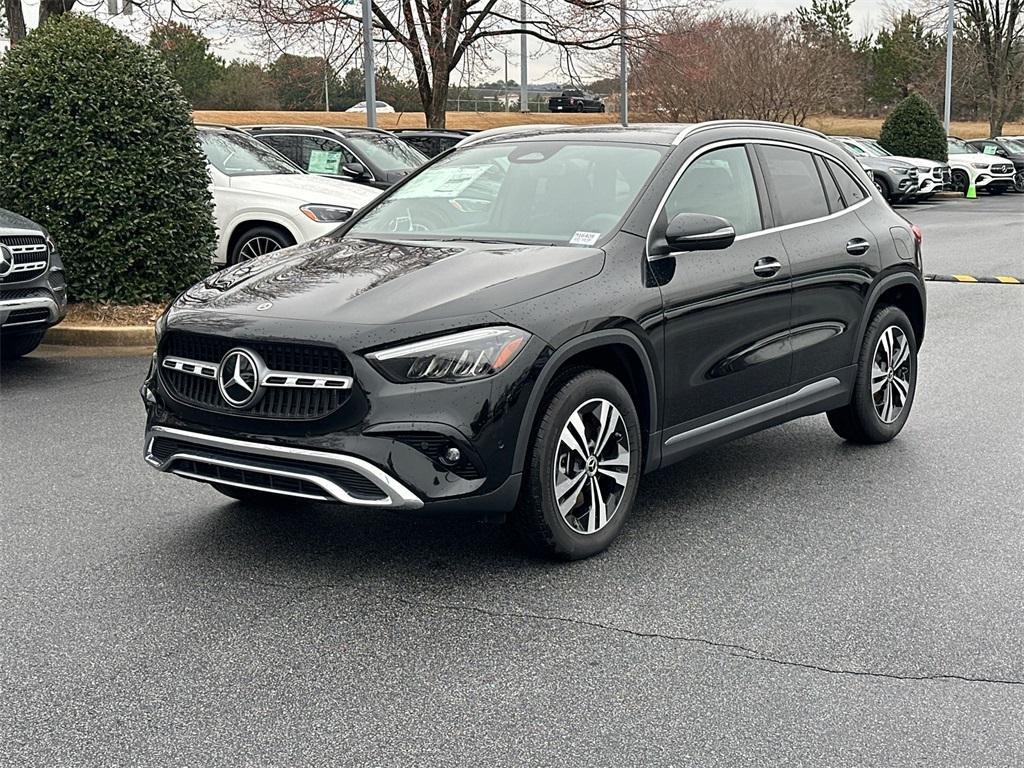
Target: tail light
918,234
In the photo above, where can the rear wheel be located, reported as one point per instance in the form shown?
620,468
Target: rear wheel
883,392
583,468
12,347
258,241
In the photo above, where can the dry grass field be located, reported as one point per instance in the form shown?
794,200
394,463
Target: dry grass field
851,126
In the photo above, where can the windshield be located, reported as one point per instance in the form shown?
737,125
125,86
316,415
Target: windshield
536,191
1013,146
235,154
957,147
387,152
876,149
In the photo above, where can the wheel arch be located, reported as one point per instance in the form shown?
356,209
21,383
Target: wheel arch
245,225
902,289
620,353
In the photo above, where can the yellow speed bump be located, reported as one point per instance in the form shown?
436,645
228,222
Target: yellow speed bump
1004,279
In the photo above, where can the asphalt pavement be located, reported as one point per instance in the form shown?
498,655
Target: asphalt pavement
783,600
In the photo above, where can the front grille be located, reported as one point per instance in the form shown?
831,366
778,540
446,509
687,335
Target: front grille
937,174
31,257
24,293
277,402
354,483
1002,168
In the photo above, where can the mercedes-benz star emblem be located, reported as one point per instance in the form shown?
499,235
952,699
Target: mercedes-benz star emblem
6,261
238,378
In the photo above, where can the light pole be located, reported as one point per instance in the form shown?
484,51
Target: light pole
368,71
623,71
949,65
524,95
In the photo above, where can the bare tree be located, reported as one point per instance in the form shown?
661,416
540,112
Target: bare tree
997,29
433,37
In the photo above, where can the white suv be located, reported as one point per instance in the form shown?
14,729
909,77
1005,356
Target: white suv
262,202
932,176
989,172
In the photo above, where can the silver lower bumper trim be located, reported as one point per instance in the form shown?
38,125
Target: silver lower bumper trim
7,306
397,496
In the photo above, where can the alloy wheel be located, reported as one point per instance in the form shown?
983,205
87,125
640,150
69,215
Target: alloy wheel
891,374
257,246
592,466
1018,182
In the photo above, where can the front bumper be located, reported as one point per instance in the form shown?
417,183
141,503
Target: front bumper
986,181
315,475
36,311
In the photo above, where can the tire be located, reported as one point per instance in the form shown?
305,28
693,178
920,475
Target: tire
249,496
883,187
12,347
866,418
961,182
1018,182
257,241
577,530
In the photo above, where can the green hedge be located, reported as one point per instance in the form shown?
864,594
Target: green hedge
97,144
913,129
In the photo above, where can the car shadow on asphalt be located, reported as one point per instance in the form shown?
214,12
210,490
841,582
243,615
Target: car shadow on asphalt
306,542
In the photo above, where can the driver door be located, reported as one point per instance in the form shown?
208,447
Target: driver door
727,312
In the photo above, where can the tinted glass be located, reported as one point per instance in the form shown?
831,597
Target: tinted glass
719,183
286,145
832,193
797,191
236,154
958,147
852,191
387,152
537,191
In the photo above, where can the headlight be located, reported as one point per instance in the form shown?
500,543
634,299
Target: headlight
980,166
326,213
461,356
899,171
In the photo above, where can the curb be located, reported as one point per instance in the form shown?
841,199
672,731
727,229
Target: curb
100,336
996,279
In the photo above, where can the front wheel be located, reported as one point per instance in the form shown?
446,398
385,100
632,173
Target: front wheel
12,347
258,241
961,181
886,381
883,187
583,468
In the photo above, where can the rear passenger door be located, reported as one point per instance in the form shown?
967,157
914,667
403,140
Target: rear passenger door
832,254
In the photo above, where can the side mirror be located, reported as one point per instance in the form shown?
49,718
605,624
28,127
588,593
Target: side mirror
355,170
697,232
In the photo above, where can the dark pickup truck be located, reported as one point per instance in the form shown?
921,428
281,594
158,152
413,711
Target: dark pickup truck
575,101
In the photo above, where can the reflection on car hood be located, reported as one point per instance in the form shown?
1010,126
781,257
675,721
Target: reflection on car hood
307,188
12,220
920,162
372,282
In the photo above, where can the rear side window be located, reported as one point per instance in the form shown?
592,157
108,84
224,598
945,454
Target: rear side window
719,183
832,193
797,193
852,191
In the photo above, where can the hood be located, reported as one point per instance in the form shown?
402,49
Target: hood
918,162
883,163
307,188
12,220
368,282
979,158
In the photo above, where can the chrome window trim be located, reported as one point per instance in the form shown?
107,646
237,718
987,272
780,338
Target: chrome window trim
398,496
291,379
743,143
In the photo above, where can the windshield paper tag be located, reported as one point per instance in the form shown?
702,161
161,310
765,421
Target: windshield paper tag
585,238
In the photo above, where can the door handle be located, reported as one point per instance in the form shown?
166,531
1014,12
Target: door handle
858,246
767,266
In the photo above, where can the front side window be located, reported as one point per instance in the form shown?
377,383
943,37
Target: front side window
236,154
531,191
321,155
797,194
719,183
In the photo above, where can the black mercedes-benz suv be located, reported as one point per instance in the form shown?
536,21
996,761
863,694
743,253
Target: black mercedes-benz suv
33,292
529,323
